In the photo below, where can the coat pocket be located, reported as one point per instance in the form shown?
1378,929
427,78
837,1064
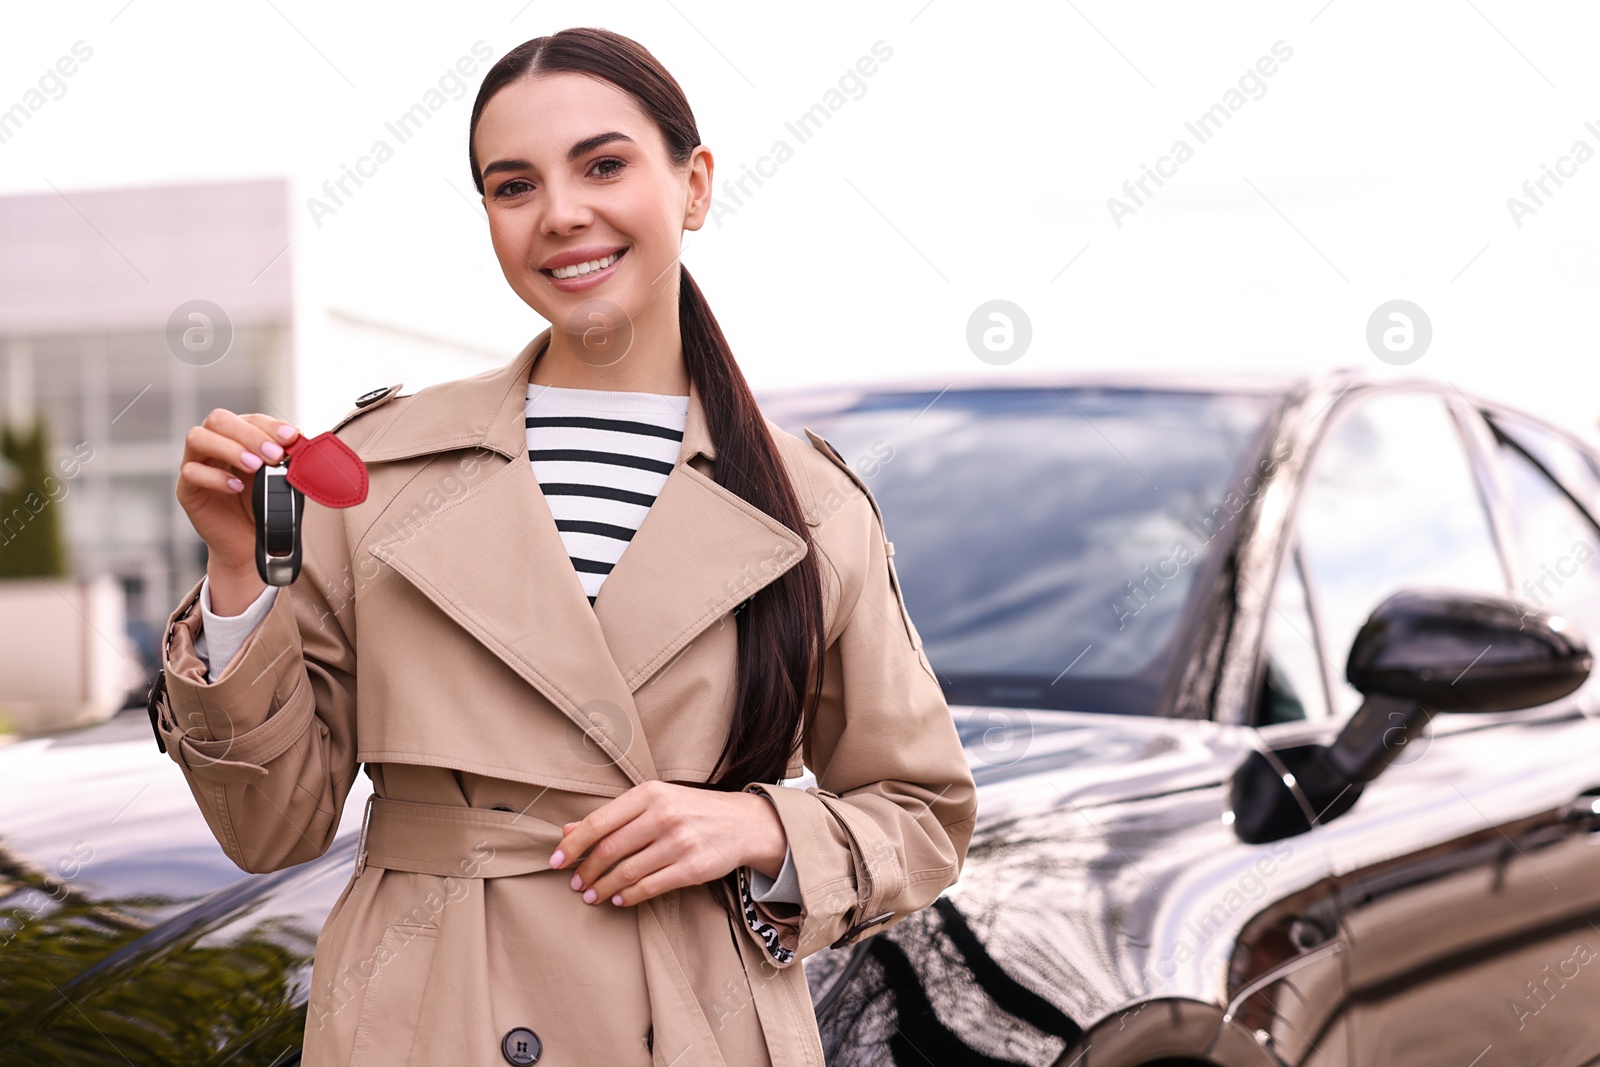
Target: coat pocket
391,1007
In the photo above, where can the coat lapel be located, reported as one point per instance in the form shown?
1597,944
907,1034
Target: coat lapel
494,561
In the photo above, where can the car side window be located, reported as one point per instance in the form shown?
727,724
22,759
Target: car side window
1292,685
1575,468
1556,544
1390,503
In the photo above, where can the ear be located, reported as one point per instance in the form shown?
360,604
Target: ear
701,167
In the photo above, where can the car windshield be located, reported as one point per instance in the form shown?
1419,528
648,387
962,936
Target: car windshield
1046,540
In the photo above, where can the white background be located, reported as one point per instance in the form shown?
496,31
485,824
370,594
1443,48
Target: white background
976,166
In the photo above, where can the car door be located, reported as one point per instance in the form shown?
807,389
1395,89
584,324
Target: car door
1468,882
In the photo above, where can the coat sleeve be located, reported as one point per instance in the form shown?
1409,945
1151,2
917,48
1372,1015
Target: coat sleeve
220,637
885,830
268,747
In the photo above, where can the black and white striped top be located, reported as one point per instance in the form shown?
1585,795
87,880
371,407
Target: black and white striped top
601,457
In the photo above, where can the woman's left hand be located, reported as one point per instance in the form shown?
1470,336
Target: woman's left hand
660,836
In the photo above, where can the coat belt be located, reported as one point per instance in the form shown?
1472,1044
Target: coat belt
463,842
452,840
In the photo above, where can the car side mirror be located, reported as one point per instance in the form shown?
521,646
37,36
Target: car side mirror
1419,652
1428,650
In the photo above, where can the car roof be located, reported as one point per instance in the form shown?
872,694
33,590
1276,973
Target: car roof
1246,381
1239,381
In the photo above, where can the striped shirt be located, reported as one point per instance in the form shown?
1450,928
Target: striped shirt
601,457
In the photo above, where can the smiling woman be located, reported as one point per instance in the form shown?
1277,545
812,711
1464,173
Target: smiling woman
606,207
549,686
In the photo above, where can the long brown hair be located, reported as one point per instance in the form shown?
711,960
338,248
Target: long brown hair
781,633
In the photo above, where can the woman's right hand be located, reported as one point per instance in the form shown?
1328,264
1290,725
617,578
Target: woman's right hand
220,459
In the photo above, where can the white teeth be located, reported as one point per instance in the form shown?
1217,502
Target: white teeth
578,270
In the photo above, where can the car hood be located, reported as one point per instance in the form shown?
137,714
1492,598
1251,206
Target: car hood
125,922
1102,843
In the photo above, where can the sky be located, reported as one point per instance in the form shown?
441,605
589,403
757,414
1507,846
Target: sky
1358,153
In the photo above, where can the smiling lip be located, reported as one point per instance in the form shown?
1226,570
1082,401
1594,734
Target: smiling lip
580,255
583,255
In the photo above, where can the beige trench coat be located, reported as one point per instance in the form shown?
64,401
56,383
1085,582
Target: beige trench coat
488,682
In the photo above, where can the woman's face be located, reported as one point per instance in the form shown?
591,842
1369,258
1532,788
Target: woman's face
572,167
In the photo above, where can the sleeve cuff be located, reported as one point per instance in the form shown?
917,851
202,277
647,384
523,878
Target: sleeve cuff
260,678
221,636
785,888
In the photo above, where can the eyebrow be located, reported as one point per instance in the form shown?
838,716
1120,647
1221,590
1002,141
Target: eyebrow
583,147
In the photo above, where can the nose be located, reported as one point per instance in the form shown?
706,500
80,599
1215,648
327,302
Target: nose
565,209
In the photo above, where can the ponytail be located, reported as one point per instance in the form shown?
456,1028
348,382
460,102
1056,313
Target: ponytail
781,634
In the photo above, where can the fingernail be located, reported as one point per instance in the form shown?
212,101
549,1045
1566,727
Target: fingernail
270,450
557,858
235,484
250,460
589,896
616,898
577,882
286,431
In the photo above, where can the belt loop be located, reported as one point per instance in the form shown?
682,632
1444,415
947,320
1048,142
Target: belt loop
361,840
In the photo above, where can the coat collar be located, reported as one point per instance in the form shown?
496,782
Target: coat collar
486,411
493,560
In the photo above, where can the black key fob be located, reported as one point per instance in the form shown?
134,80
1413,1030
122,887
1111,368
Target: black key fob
279,508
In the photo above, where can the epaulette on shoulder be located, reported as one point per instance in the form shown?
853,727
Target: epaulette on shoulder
837,460
369,401
822,445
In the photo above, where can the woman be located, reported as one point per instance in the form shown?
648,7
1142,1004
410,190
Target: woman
548,685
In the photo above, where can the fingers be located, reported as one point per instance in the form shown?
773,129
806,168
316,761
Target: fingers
639,845
597,824
274,430
208,477
244,441
643,875
226,449
620,843
205,444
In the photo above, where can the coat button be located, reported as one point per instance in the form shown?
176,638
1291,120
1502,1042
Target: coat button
650,1038
367,398
521,1046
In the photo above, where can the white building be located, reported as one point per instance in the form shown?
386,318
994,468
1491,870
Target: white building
128,314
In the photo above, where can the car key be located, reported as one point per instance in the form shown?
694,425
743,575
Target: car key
323,468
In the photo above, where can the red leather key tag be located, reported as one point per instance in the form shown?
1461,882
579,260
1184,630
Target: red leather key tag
327,470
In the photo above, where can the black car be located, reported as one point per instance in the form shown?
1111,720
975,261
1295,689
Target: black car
1276,695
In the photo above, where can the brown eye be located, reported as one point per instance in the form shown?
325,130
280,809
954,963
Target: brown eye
502,190
610,159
